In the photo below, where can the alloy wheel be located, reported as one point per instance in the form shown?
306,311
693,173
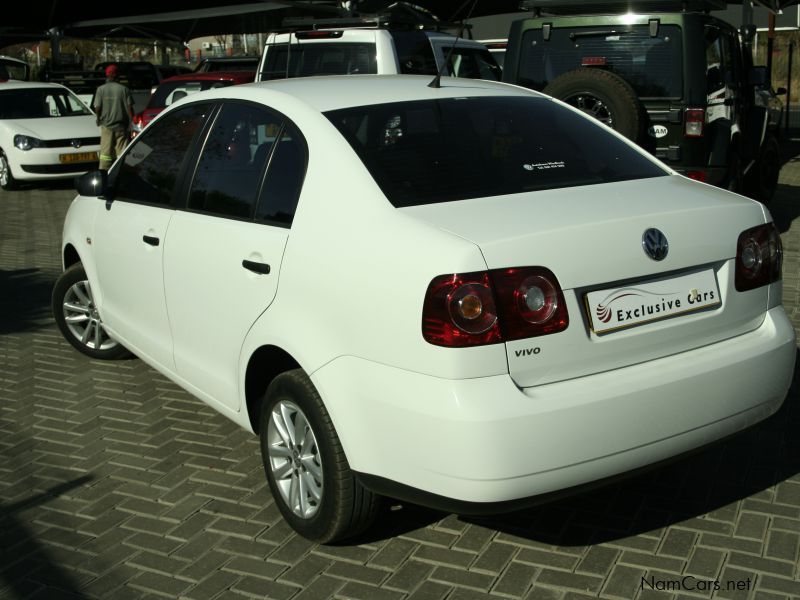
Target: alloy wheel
294,459
83,320
592,106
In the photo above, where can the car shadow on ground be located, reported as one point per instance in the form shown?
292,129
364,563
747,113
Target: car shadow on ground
27,564
24,300
706,485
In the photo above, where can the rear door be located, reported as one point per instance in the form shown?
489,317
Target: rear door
223,259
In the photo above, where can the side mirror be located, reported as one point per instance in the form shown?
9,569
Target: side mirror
92,184
758,76
781,91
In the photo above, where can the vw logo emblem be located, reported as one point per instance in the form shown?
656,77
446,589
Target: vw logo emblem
655,244
75,143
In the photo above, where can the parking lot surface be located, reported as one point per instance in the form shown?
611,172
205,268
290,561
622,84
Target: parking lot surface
115,483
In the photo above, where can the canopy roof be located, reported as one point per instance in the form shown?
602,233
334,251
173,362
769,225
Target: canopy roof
39,19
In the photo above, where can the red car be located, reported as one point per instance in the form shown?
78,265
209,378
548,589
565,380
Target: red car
177,87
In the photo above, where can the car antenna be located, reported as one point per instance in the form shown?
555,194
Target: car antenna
437,81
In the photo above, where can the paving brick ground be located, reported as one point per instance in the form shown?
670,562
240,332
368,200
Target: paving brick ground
116,484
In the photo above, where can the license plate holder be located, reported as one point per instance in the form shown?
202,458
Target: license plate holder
614,309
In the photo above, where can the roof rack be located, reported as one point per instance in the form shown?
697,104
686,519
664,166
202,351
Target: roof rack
399,15
590,7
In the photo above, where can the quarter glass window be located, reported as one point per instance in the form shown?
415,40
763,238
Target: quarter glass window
285,174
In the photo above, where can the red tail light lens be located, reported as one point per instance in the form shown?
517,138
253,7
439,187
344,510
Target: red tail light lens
473,309
459,311
759,257
693,121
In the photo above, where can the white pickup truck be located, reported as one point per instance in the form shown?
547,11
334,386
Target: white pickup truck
373,50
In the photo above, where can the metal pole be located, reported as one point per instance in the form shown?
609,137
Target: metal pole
789,84
770,43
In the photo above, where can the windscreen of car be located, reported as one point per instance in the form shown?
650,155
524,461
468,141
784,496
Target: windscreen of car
14,69
172,91
40,103
431,151
650,64
319,58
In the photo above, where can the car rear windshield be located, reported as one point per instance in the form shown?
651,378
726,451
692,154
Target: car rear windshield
170,92
651,64
40,103
430,151
319,58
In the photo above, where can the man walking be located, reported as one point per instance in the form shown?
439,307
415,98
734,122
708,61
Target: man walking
113,105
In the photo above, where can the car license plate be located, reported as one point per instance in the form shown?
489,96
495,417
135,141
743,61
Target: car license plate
77,157
618,308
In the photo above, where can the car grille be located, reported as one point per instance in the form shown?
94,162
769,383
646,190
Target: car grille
59,169
89,141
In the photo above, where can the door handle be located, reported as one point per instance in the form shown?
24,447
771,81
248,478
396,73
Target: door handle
150,239
256,267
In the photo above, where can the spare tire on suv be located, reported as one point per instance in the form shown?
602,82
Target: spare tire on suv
603,95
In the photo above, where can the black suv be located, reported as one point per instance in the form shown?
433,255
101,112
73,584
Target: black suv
667,75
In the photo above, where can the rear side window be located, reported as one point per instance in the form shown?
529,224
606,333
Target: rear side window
303,59
414,53
651,65
149,170
231,167
472,63
433,151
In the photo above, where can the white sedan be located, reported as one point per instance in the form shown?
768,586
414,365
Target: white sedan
469,296
46,132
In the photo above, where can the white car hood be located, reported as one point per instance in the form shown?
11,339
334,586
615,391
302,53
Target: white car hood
55,128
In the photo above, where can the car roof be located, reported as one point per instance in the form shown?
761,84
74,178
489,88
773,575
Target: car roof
236,76
334,92
17,85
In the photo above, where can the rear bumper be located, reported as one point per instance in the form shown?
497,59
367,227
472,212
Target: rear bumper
487,441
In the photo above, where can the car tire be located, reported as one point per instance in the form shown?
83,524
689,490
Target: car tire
77,317
7,181
761,180
603,95
735,177
306,468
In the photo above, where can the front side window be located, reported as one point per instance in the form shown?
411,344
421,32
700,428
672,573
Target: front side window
150,168
231,167
651,65
431,151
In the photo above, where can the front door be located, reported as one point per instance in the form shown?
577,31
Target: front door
130,235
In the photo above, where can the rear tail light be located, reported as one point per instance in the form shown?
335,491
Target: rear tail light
759,257
488,307
137,124
698,175
318,34
693,121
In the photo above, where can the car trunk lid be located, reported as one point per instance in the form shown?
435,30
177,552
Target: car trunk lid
591,238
